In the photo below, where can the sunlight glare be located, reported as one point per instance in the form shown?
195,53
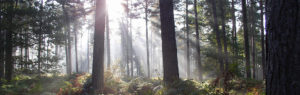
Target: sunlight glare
114,8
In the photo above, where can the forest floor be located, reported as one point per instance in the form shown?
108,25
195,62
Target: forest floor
80,84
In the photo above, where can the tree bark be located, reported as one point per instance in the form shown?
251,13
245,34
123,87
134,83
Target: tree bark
234,37
169,49
263,60
245,25
9,62
98,62
67,40
283,48
216,29
107,41
252,30
2,54
198,55
187,38
222,2
88,53
76,52
147,39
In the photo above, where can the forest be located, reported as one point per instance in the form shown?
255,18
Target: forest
149,47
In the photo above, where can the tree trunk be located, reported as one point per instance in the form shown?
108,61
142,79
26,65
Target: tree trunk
88,53
216,29
283,48
2,55
224,34
245,25
187,38
98,62
263,60
39,52
169,49
130,42
198,55
252,30
67,41
107,41
9,63
147,41
234,38
76,52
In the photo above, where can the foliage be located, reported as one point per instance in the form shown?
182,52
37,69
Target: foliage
44,85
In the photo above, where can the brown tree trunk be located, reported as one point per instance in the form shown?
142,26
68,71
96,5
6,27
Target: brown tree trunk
283,48
169,49
98,62
245,25
252,30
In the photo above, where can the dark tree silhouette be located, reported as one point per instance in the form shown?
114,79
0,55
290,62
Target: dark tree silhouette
98,57
197,41
245,25
218,36
283,48
169,49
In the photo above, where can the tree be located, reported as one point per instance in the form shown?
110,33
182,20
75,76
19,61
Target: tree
107,41
233,33
67,38
187,37
245,25
222,3
169,49
283,53
9,63
2,54
76,51
98,66
263,54
218,36
197,40
253,34
147,41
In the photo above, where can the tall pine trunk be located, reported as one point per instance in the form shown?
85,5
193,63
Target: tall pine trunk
245,25
252,30
222,3
216,30
9,62
187,38
88,53
76,52
67,40
98,58
107,41
147,39
198,55
263,60
169,49
2,55
233,32
283,48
